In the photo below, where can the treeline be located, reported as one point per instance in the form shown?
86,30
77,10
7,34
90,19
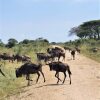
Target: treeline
13,42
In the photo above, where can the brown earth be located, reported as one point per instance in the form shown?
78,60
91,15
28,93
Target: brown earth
85,83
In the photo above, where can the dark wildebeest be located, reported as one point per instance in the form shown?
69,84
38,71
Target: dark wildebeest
60,67
6,56
26,58
73,54
29,68
43,56
58,55
18,58
23,58
59,49
55,52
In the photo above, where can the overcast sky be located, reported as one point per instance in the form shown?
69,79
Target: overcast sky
50,19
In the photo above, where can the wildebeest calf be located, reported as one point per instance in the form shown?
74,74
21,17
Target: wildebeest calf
73,54
29,68
60,67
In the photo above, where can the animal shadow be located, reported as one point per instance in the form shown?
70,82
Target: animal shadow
50,85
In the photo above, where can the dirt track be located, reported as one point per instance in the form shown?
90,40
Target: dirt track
85,83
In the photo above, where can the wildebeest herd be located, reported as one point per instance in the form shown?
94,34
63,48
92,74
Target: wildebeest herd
12,58
51,58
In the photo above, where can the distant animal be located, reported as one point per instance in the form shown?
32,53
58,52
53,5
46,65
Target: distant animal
59,49
6,56
50,50
29,68
26,58
60,67
22,58
54,52
73,54
58,55
43,56
18,58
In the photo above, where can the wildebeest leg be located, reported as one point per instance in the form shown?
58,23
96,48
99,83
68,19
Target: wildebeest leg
69,75
28,78
59,57
45,60
63,57
64,77
57,76
43,75
38,76
70,79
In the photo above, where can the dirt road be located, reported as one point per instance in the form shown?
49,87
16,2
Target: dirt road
85,83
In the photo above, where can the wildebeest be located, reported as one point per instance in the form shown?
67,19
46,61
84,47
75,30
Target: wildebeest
58,55
26,58
50,50
60,67
29,68
59,49
54,52
73,54
22,58
43,56
6,56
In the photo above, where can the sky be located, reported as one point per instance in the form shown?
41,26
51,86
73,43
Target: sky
50,19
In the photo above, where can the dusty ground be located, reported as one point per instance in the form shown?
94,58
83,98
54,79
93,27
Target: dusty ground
85,83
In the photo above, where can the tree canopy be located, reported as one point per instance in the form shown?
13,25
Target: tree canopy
90,29
11,43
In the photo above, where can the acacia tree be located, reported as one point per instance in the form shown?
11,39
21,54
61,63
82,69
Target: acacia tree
90,29
93,27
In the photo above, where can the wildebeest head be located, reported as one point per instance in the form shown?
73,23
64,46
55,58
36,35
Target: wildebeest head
18,73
